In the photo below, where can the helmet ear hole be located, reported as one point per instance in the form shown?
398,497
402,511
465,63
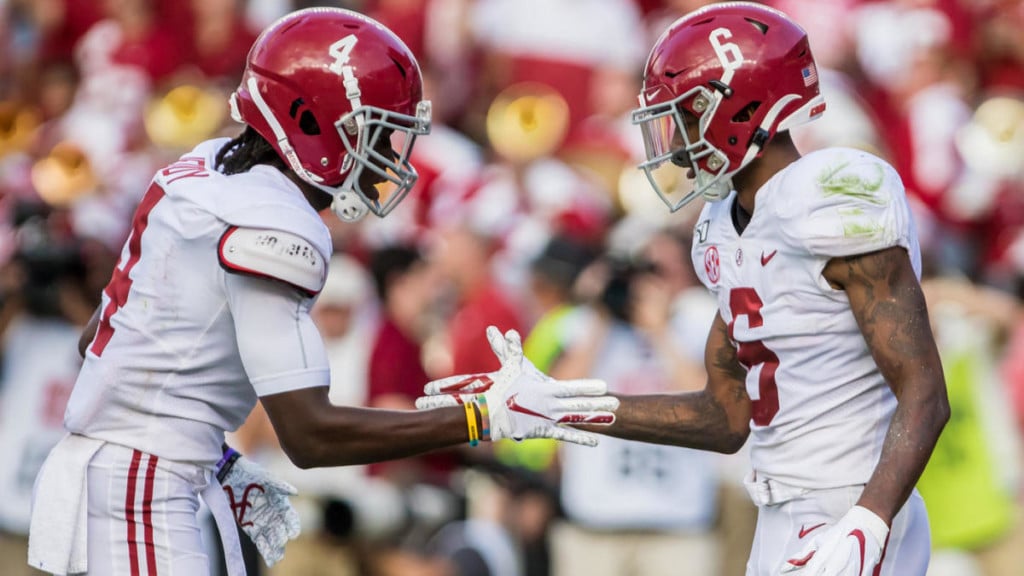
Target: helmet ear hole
747,113
308,124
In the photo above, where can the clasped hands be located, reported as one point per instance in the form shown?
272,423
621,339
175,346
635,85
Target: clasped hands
522,401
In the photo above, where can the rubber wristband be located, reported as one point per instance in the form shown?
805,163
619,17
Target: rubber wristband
227,461
485,417
474,435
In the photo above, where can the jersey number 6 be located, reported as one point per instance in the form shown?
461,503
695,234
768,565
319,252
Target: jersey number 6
746,302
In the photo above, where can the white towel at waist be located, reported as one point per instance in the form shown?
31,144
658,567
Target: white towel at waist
57,533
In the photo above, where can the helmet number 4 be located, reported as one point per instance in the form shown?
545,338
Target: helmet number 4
340,51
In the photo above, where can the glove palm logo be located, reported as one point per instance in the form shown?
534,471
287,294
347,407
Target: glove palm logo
240,506
482,382
516,407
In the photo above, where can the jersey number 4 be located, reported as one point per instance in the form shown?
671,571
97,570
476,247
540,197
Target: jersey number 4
746,302
120,281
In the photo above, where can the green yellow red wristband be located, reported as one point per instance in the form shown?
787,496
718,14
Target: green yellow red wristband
485,417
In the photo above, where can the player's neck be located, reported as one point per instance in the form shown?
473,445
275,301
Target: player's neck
317,198
778,154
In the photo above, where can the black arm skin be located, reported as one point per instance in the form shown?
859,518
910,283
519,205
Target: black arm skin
887,301
315,433
716,418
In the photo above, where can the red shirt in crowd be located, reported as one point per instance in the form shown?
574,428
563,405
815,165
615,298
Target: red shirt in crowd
396,369
471,353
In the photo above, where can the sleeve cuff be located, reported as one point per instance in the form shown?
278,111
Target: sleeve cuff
288,381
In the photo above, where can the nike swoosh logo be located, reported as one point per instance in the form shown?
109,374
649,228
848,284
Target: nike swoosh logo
805,531
766,259
801,561
514,406
860,540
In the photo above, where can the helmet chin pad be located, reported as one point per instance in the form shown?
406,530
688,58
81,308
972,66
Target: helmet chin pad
714,188
348,207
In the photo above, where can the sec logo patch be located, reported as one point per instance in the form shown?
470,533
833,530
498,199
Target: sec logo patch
712,265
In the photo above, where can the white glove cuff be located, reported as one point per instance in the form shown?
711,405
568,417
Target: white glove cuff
861,516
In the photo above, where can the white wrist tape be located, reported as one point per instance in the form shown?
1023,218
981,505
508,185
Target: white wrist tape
861,516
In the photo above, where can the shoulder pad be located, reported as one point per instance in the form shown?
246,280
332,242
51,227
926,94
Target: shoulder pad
843,202
273,254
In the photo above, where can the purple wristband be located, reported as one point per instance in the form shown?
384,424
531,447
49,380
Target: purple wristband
226,462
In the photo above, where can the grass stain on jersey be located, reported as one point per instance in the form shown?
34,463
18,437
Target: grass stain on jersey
856,224
834,182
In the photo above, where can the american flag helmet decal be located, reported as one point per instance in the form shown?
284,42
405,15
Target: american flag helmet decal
810,75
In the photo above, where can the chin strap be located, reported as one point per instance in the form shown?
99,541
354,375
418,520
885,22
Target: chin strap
348,207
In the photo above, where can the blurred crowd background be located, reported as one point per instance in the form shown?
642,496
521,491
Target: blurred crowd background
529,214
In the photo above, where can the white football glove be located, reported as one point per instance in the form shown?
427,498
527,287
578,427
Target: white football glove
851,547
523,402
261,506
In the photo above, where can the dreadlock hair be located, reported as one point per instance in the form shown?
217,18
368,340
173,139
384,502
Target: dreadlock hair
245,151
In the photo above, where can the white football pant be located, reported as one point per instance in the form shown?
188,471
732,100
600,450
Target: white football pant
142,515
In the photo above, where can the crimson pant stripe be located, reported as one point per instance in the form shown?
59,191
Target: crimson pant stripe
129,512
147,515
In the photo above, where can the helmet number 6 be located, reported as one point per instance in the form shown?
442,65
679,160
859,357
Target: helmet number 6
728,53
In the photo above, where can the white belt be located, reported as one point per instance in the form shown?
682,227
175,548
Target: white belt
766,492
217,502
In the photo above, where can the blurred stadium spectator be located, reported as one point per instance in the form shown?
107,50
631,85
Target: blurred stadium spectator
633,508
45,304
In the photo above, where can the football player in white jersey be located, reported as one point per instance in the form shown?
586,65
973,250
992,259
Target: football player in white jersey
821,353
208,310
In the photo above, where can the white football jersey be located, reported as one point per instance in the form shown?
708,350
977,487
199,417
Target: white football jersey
821,407
164,373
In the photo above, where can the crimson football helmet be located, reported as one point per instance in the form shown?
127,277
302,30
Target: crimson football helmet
718,85
339,96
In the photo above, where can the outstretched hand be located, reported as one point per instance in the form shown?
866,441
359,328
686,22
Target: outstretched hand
522,401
